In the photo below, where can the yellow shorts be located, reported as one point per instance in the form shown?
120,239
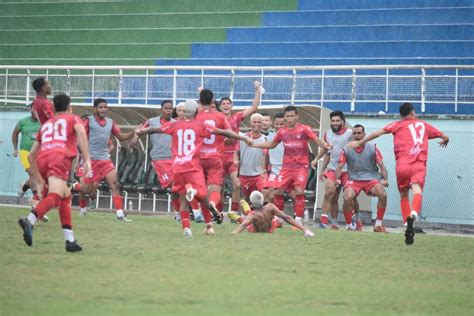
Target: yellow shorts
24,159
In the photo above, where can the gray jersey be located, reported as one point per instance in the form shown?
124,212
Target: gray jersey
338,141
251,159
160,143
275,155
362,166
99,138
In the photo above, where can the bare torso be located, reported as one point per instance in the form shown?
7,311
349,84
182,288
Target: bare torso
262,218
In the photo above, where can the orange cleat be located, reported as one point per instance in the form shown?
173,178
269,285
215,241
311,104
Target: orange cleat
380,229
334,227
359,226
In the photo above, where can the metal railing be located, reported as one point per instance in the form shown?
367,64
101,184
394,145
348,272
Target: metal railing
147,86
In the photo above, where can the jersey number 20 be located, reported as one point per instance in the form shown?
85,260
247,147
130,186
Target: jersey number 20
54,131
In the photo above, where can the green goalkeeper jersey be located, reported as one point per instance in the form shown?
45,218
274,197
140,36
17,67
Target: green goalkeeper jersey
29,129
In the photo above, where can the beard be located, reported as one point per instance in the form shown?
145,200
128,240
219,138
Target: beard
336,129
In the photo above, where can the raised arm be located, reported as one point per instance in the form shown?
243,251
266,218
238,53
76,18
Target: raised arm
230,134
249,220
367,138
266,145
255,102
15,133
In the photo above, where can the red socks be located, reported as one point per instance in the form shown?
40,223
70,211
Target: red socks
347,217
279,202
380,213
416,204
220,205
46,204
65,212
82,203
234,206
405,207
206,213
324,218
299,205
185,219
176,204
118,202
215,197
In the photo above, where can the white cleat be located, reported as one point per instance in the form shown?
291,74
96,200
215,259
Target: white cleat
209,231
190,193
121,216
188,233
83,212
45,219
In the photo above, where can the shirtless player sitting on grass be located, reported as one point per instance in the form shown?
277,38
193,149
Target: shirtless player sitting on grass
260,218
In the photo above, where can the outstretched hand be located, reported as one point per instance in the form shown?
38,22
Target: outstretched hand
353,144
443,143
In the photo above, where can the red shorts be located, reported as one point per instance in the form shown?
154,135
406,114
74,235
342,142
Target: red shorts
100,169
213,171
57,165
251,228
407,174
164,172
292,178
358,186
331,175
194,178
229,164
251,183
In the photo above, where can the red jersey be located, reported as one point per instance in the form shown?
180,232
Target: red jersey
57,135
187,138
43,108
295,143
213,146
410,139
378,155
234,120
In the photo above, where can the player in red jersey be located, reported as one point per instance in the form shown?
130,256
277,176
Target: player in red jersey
99,128
51,158
410,138
212,149
188,138
41,105
294,172
231,146
261,219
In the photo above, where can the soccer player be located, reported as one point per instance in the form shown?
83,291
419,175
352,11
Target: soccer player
187,138
51,158
364,176
28,127
294,172
42,107
99,128
251,159
178,112
275,159
266,124
261,218
212,149
231,146
338,136
410,138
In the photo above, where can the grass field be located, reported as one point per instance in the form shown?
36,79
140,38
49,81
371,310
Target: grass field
146,267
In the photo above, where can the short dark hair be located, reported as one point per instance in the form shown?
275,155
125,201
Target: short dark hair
39,83
265,114
205,97
359,126
406,109
290,108
337,113
61,102
218,105
224,99
166,101
99,101
279,115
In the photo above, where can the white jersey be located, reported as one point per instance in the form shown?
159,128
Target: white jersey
275,155
252,159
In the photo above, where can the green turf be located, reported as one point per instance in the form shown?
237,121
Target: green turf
146,267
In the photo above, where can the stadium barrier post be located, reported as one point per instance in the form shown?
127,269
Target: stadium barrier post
423,96
456,91
386,89
353,90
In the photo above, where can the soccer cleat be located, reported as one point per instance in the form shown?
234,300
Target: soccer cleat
234,216
122,217
323,226
187,232
209,231
72,246
410,232
334,227
419,230
83,212
199,218
216,215
44,219
190,193
92,205
350,227
27,230
359,226
380,229
177,217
